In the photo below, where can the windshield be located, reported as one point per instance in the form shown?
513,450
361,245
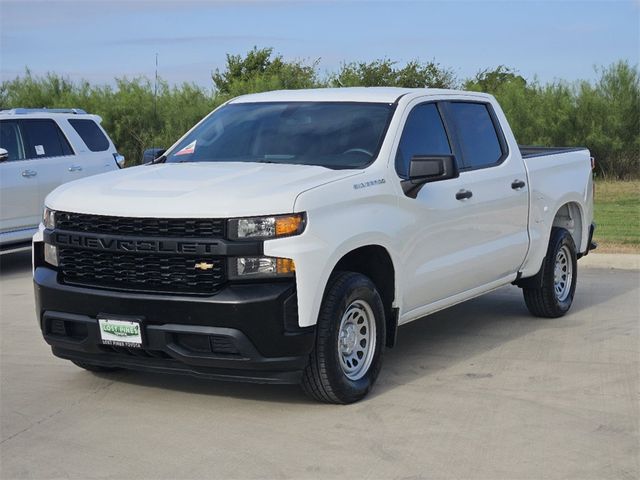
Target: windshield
334,135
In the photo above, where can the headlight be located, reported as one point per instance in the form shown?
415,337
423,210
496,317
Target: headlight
248,268
49,218
266,227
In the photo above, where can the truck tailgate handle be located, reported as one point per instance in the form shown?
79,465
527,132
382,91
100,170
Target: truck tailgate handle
464,194
517,184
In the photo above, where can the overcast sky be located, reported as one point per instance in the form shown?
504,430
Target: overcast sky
98,40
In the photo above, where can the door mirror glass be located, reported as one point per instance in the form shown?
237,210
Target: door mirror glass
4,155
429,168
150,154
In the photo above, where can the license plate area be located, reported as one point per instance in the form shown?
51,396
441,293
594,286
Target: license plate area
120,333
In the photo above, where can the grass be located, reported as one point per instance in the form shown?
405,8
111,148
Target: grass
617,215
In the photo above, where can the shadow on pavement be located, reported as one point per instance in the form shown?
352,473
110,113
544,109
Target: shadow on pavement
18,262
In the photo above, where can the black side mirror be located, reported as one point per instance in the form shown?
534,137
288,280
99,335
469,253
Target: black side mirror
4,155
429,168
150,154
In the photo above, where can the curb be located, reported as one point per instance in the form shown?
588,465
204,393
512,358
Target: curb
621,261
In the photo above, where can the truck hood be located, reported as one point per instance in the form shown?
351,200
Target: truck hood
193,190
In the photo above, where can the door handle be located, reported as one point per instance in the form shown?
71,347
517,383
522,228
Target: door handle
517,184
464,194
75,168
29,173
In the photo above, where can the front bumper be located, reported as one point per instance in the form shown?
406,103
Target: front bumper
244,332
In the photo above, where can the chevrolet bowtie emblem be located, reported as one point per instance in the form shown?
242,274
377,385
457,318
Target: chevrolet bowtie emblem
204,266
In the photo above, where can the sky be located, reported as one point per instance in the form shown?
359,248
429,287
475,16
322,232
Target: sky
100,40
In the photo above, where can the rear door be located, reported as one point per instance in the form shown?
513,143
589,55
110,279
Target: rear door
494,179
47,146
19,192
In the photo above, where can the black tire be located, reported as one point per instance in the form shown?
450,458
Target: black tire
95,368
544,301
323,378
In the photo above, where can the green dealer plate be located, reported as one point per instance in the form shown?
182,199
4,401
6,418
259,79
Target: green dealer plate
120,333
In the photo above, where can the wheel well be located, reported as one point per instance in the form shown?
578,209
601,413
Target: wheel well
570,218
375,262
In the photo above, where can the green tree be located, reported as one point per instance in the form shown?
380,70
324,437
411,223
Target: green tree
384,73
259,70
492,80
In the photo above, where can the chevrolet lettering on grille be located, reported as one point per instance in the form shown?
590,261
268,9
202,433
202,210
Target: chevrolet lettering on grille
96,242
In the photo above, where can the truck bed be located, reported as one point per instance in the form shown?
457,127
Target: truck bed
528,151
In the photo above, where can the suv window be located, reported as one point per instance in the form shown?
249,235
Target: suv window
423,134
91,134
44,139
11,140
476,133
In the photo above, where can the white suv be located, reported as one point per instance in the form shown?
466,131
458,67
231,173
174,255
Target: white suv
41,149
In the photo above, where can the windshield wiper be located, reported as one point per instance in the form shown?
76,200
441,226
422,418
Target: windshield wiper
161,159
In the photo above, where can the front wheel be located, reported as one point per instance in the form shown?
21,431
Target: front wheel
559,275
347,356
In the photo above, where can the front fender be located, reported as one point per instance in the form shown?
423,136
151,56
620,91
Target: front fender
332,231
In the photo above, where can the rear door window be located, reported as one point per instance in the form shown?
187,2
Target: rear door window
44,139
11,140
423,134
91,134
476,133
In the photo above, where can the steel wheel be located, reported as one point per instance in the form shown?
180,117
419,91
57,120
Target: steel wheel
357,339
563,274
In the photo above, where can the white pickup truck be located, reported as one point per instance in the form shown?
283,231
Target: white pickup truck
288,234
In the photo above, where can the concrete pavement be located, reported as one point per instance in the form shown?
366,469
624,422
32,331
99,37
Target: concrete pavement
479,391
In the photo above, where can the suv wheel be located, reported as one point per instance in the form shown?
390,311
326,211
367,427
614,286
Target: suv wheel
347,356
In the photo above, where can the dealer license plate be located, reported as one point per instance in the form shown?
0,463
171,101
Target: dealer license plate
120,333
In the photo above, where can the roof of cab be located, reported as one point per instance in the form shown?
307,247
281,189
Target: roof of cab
347,94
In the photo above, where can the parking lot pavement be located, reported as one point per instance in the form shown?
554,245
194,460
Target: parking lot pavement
479,391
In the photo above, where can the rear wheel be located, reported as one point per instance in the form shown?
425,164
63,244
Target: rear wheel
347,356
559,275
95,368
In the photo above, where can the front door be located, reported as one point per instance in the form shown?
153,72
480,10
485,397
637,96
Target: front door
468,231
19,192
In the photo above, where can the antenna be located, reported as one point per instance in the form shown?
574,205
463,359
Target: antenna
154,131
155,93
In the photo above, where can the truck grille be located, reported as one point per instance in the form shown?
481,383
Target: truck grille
143,227
166,273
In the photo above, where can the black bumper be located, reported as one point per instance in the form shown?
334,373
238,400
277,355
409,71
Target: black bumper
243,332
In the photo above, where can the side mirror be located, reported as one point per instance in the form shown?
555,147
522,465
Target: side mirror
119,160
150,154
4,155
429,168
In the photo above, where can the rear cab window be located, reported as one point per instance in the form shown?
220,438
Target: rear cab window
423,134
481,143
91,134
44,139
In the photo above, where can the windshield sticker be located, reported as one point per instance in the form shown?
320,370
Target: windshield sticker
188,150
39,150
